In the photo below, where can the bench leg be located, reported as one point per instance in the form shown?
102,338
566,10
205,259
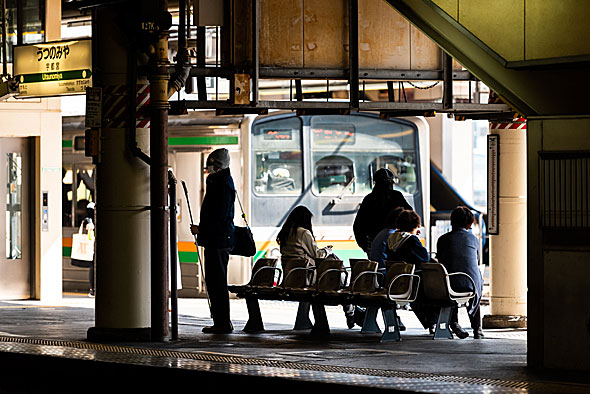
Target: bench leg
442,326
254,323
321,326
391,331
370,323
302,321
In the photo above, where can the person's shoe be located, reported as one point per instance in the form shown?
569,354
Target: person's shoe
225,329
400,324
350,320
432,329
459,331
91,293
478,334
359,316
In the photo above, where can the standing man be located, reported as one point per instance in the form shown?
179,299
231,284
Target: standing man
458,251
216,234
375,209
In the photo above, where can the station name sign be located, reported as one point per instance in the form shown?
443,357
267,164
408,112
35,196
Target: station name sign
53,68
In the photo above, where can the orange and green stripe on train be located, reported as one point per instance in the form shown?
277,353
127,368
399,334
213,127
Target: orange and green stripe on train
187,251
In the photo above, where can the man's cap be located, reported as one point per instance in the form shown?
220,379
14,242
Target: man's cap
383,175
219,158
90,205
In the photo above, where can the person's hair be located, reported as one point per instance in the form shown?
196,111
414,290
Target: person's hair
408,221
462,217
391,220
300,216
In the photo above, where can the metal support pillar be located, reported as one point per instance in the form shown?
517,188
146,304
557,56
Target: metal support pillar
298,90
4,42
448,81
255,57
353,52
201,83
20,22
173,258
158,190
508,252
122,305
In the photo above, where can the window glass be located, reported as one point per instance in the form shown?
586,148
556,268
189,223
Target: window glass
277,157
347,150
333,173
34,23
13,206
67,195
84,192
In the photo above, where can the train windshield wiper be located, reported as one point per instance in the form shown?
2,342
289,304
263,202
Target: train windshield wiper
339,198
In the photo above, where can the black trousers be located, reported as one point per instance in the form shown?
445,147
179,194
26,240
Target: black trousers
91,275
475,320
216,261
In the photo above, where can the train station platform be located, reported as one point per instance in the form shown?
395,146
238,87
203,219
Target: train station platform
44,347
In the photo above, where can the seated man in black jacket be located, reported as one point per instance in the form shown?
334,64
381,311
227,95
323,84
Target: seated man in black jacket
404,245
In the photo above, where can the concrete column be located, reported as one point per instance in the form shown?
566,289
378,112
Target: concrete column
122,194
508,249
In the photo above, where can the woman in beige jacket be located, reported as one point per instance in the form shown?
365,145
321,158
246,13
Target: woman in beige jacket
296,238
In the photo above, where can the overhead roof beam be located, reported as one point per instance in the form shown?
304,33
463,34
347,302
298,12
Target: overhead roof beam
531,92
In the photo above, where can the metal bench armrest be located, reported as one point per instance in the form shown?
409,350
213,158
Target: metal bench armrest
464,274
297,269
414,290
341,270
266,268
363,274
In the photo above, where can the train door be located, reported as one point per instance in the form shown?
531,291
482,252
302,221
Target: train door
15,216
78,190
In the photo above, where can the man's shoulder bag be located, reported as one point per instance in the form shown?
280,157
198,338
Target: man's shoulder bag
244,240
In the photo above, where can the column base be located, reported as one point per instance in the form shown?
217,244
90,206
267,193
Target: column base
504,321
98,334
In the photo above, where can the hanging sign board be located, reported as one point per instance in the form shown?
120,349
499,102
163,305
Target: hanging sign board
53,68
493,170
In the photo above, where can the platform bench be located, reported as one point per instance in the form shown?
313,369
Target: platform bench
329,278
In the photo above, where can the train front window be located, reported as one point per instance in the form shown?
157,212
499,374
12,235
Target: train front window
333,174
346,152
277,162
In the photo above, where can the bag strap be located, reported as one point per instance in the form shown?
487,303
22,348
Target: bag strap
242,209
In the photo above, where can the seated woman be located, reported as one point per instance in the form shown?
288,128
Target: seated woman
296,238
404,245
458,251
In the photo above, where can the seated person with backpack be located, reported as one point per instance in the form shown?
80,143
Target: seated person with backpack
404,245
